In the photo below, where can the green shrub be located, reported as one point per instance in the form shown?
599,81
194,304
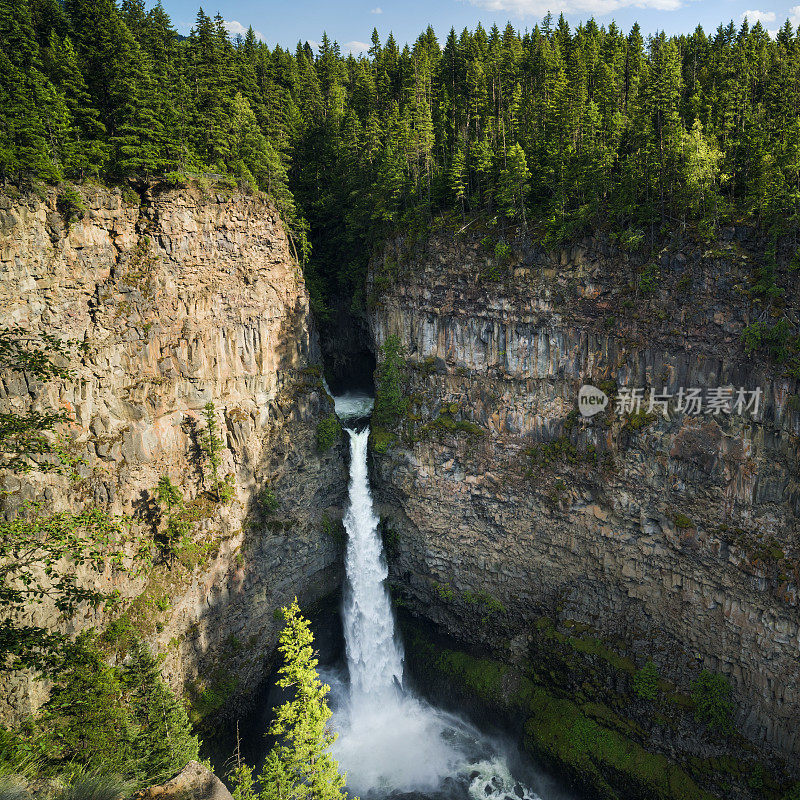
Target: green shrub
445,592
176,180
648,281
794,793
70,205
756,779
640,419
502,252
334,528
645,681
712,696
328,432
682,522
226,488
487,604
390,402
631,239
131,197
97,786
380,439
266,499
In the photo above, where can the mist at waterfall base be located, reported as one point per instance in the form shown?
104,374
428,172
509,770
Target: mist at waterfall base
391,743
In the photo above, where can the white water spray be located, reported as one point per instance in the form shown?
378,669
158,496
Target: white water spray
390,740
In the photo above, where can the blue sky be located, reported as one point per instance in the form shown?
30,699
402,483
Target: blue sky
351,22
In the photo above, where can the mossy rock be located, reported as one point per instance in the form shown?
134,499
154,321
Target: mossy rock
381,439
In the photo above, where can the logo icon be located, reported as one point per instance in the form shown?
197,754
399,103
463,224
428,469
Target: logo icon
591,400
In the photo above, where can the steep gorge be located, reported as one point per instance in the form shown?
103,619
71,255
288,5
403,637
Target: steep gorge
538,559
571,551
178,298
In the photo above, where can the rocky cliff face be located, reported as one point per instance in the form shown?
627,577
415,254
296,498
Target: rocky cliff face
179,298
512,522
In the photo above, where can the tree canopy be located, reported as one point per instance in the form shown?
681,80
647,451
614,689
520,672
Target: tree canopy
558,126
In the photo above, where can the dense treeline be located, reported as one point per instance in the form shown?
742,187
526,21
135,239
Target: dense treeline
564,127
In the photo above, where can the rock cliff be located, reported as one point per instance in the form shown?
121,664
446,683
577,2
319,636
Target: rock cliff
178,298
522,529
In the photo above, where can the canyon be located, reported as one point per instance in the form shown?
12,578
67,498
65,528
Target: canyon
538,560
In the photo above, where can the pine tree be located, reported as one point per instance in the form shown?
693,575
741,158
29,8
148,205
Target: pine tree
300,766
212,447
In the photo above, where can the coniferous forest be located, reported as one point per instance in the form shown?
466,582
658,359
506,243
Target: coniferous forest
559,128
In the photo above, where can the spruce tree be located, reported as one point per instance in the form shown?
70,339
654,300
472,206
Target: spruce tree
86,152
163,740
513,187
34,119
300,766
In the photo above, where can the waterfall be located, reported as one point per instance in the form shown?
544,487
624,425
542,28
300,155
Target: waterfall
374,654
389,739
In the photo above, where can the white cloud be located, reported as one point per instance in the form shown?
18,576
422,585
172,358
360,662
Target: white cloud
758,16
794,15
377,10
355,47
538,8
235,28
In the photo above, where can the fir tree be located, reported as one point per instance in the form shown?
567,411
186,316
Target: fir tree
513,187
163,737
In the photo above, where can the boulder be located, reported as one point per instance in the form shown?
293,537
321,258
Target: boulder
194,782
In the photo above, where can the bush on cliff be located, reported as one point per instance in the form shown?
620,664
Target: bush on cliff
645,682
714,705
794,793
390,403
328,432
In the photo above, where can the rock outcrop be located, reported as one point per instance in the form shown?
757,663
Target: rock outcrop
194,782
175,299
510,520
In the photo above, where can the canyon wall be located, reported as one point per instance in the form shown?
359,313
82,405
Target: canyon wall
511,521
176,298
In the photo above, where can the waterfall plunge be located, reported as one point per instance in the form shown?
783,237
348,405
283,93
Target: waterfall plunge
390,740
374,655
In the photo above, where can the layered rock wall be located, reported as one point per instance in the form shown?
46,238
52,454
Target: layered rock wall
177,298
672,539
